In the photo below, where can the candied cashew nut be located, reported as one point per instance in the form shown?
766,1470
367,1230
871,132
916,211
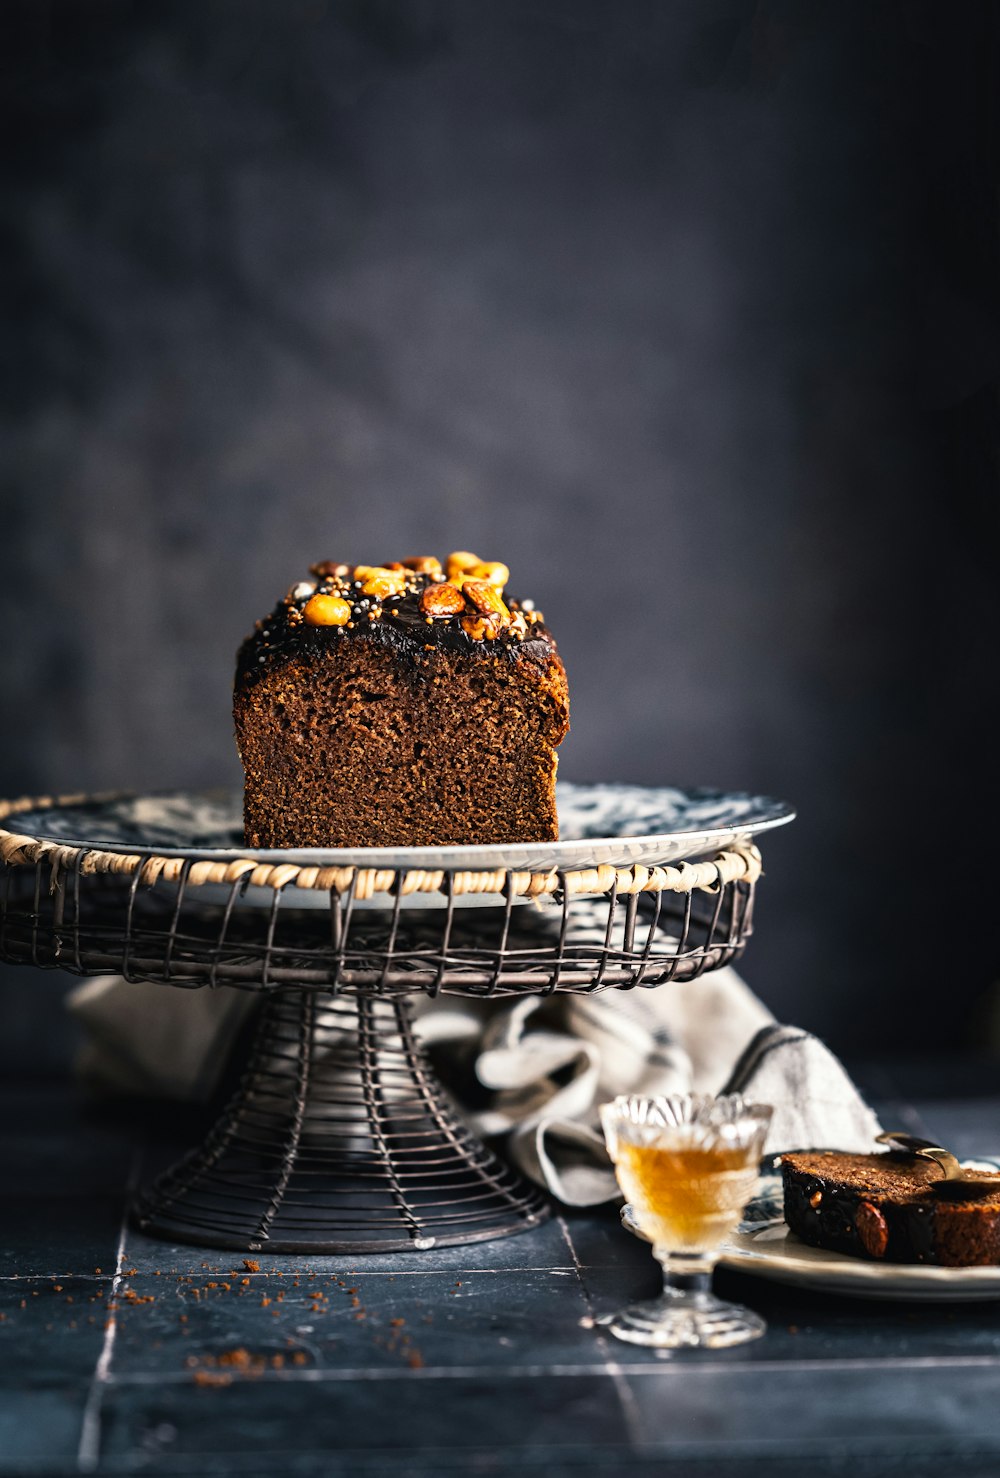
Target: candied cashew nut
486,599
460,562
482,628
424,564
382,583
441,600
492,571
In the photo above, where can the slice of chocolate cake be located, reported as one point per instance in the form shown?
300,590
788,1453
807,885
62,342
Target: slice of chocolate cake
400,705
893,1207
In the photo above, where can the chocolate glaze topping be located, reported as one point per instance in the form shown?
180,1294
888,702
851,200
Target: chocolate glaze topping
396,619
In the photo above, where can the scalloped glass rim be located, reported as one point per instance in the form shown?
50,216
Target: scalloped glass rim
672,1110
687,1120
617,825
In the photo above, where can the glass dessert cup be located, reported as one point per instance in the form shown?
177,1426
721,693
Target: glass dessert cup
688,1164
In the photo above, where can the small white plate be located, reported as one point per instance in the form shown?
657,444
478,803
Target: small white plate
765,1246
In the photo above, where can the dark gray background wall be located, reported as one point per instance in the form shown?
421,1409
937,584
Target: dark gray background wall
687,310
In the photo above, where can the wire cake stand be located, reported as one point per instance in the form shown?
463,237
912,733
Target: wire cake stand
340,1136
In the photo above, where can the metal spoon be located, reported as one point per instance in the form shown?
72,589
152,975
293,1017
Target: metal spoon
955,1177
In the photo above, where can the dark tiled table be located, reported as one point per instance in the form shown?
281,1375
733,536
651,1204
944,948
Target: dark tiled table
480,1360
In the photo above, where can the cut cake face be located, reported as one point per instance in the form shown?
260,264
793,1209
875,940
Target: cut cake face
408,704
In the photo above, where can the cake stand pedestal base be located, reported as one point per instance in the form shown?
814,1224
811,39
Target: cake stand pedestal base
338,1139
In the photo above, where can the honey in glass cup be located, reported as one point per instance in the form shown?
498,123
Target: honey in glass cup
687,1162
687,1199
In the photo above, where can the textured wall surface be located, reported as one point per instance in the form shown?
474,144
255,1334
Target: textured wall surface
687,311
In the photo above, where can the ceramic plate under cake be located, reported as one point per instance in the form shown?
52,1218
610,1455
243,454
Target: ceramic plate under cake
621,825
763,1245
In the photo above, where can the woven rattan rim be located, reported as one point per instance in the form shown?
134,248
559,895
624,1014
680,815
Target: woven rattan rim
740,863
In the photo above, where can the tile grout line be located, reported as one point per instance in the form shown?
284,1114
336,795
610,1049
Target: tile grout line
608,1367
626,1399
88,1450
263,1274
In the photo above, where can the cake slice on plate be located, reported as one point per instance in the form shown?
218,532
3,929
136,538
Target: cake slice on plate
892,1207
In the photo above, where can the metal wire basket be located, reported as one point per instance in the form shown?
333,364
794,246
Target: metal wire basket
340,1137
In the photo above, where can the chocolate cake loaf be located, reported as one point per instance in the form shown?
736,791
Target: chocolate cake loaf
893,1207
400,705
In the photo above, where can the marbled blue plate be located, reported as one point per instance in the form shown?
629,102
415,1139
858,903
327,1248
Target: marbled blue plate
616,824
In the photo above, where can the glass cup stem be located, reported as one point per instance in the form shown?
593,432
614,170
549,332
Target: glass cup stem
687,1313
689,1271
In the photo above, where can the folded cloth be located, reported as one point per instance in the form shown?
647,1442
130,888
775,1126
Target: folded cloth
546,1063
552,1061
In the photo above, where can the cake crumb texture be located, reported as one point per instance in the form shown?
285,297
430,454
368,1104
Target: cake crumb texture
433,721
